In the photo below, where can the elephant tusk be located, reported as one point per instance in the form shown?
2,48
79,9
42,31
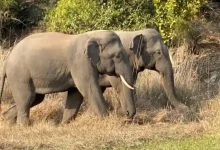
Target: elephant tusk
123,80
171,58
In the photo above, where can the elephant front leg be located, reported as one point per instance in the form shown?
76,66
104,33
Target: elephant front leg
92,92
96,101
73,103
89,109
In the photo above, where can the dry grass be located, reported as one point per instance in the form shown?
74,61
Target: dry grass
155,117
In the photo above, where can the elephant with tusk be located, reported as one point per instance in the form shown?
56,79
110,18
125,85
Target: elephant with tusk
52,62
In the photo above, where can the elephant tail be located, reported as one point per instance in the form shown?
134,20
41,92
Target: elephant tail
2,82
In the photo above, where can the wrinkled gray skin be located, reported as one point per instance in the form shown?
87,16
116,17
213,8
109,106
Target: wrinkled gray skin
53,62
146,50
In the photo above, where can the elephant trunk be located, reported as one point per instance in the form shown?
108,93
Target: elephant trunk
126,91
128,95
168,84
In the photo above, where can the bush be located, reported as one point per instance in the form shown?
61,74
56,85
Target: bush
5,4
130,15
194,35
17,16
76,16
170,17
173,17
5,14
72,16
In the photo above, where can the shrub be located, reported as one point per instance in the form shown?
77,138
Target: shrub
72,16
5,14
17,16
129,15
173,16
194,34
5,4
76,16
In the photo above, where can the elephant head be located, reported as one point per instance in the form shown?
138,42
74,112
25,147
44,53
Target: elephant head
107,54
146,50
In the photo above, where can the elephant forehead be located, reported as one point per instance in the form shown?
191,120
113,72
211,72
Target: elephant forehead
113,48
154,44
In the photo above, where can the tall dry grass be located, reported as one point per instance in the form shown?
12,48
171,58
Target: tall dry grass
155,117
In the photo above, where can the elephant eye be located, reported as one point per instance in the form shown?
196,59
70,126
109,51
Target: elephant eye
156,53
118,57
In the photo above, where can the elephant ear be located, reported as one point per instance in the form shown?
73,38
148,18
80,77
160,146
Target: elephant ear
93,50
137,44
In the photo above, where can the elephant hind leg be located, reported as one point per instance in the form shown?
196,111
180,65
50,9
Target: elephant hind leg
24,95
11,114
73,103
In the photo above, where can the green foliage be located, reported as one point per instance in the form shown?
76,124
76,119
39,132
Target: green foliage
18,16
5,4
5,14
130,15
72,16
173,16
76,16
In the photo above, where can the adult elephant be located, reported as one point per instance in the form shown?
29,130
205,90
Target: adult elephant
146,50
54,62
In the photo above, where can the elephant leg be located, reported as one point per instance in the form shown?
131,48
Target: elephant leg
24,95
89,109
11,114
89,87
73,103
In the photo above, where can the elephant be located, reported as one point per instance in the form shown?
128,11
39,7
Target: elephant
50,62
146,50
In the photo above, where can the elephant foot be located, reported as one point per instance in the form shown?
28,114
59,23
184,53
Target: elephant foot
188,113
183,108
23,123
10,115
23,119
89,110
67,121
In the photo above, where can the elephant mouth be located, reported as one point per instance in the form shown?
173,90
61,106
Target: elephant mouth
126,83
151,65
140,69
